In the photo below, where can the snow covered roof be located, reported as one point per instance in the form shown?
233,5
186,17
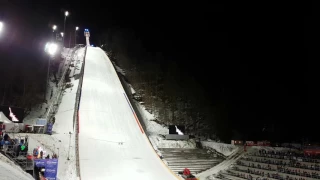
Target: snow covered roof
4,119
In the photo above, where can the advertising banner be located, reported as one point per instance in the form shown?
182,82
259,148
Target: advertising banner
49,128
41,121
50,166
40,162
51,169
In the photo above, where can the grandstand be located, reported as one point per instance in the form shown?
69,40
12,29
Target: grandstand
267,163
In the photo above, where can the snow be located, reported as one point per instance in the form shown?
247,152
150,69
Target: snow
210,173
178,131
39,111
111,142
157,131
59,141
160,142
119,70
64,124
152,127
10,171
131,89
59,144
3,118
225,149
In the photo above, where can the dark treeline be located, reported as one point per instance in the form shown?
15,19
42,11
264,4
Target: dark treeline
231,93
22,77
23,64
176,93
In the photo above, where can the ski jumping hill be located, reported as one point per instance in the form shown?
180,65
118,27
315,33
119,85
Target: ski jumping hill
112,143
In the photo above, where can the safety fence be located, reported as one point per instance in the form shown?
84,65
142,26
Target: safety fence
61,86
76,115
19,158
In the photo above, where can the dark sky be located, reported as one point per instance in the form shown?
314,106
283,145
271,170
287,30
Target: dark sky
258,59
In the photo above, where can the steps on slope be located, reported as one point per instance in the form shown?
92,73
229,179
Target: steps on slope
196,160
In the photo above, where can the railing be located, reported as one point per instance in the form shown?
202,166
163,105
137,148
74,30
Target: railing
20,159
53,106
76,115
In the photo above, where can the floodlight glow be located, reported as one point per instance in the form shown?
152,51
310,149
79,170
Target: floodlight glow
1,25
77,28
51,48
54,27
61,34
46,47
66,13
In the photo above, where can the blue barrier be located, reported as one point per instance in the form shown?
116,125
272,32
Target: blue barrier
49,128
50,166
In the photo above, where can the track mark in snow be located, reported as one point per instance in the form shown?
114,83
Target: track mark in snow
120,143
134,114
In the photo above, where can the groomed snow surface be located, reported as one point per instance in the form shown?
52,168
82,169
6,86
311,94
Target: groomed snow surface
10,171
112,144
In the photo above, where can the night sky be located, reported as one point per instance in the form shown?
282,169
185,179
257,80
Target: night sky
257,60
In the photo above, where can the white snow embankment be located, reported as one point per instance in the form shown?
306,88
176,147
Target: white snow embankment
59,141
157,131
64,123
118,69
9,170
131,89
225,149
41,109
210,173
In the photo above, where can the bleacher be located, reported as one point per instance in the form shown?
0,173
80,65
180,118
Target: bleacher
272,164
196,160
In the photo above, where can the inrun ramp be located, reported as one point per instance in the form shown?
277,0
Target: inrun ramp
112,143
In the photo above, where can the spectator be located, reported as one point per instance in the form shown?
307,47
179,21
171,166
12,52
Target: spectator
6,137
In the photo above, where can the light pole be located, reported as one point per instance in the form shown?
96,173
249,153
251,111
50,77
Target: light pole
69,146
75,36
62,34
54,27
48,74
64,26
51,49
59,149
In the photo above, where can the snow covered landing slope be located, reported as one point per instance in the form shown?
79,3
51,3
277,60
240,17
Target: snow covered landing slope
8,170
112,143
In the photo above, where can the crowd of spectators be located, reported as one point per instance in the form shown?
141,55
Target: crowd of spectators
266,161
291,155
15,145
283,165
265,176
298,172
291,163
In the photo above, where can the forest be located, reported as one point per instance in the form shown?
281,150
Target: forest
168,90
